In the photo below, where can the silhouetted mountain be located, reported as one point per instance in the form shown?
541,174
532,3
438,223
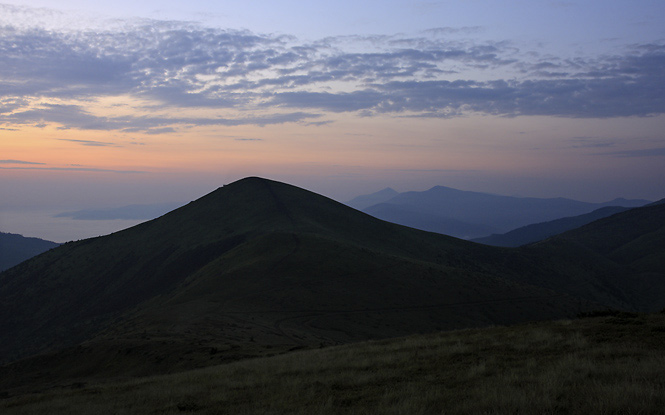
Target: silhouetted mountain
539,231
260,267
15,249
364,201
483,213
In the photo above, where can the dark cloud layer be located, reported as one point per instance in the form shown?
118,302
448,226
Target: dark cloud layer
46,77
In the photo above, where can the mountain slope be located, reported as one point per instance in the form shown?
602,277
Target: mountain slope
539,231
15,249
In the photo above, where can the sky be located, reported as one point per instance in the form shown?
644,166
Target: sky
107,104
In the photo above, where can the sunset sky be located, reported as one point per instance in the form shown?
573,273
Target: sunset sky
105,104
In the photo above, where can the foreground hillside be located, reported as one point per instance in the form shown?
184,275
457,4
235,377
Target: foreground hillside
611,364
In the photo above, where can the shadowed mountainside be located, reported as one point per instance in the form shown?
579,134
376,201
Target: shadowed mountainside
260,267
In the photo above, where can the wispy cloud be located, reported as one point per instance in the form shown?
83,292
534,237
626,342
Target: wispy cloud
80,169
90,143
48,77
591,142
18,162
645,152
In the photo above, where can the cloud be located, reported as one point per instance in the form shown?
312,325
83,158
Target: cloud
646,152
81,169
51,76
18,162
445,31
76,117
591,142
90,143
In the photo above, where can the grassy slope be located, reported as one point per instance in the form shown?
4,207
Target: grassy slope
600,365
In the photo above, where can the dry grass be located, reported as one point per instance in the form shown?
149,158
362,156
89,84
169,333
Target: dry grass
603,365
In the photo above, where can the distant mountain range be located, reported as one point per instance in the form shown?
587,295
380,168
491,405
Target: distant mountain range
259,267
470,215
15,249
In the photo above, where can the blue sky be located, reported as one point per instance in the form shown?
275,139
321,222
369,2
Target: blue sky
152,102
